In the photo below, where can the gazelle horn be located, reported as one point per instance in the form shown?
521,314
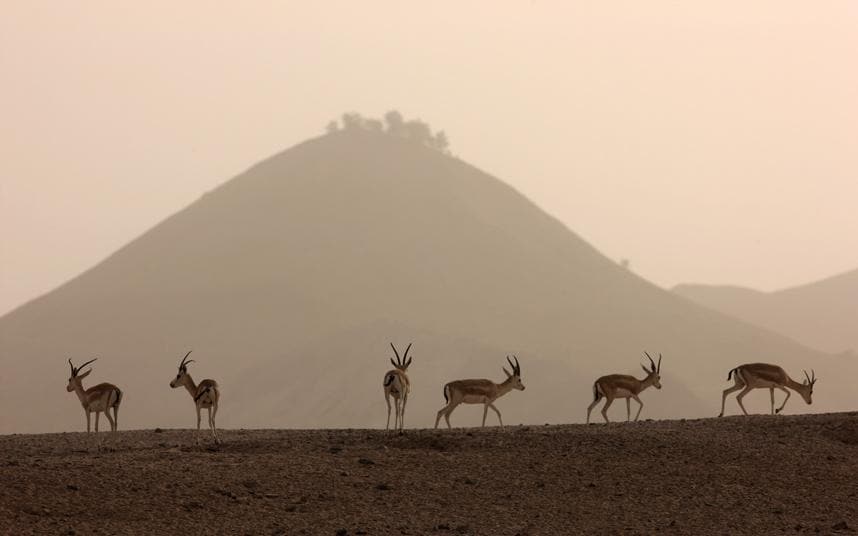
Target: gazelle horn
398,361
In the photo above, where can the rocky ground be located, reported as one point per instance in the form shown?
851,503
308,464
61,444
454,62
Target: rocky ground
757,475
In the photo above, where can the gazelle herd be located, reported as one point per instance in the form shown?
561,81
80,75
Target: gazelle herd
397,385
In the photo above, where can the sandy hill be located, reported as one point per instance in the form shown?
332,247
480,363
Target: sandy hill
823,314
289,281
737,475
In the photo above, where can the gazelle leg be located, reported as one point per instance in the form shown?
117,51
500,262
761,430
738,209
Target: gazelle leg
499,415
116,416
740,396
590,408
629,409
640,407
198,417
772,393
87,421
449,412
97,413
726,392
109,419
397,402
608,401
402,418
485,411
785,399
387,399
211,424
440,413
214,425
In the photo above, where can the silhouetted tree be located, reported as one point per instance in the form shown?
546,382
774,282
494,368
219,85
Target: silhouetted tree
395,123
440,142
418,132
373,125
352,121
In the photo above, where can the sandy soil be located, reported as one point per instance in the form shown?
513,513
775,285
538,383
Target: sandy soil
757,475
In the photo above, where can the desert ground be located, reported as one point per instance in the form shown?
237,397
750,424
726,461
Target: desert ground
736,475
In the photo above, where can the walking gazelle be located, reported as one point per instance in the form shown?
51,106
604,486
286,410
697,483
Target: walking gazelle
765,376
480,392
205,395
622,386
398,386
98,398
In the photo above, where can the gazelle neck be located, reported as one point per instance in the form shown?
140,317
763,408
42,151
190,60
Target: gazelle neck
505,386
189,384
797,387
79,391
648,381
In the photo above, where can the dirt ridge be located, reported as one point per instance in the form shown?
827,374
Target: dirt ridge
736,475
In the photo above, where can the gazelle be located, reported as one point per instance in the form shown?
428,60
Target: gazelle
398,386
762,376
621,386
483,392
98,398
205,395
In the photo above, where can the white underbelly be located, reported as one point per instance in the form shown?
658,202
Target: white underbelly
474,399
622,393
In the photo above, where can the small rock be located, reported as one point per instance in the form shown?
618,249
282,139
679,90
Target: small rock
335,450
366,461
342,532
158,431
72,487
840,525
383,487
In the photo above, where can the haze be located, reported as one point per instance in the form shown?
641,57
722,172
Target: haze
711,143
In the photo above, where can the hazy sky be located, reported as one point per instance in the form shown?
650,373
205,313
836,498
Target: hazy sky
705,141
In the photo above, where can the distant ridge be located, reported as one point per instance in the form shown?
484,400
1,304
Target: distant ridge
822,314
290,280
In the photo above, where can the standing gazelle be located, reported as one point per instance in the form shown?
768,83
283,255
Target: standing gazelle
397,385
483,392
628,387
205,395
98,398
765,376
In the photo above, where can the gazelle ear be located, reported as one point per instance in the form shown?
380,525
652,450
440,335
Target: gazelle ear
508,375
85,374
648,371
804,382
394,363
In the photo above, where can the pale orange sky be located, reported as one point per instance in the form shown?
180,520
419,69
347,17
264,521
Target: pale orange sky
707,142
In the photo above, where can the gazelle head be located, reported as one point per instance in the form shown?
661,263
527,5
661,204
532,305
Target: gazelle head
183,371
654,371
76,377
807,392
401,364
515,377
